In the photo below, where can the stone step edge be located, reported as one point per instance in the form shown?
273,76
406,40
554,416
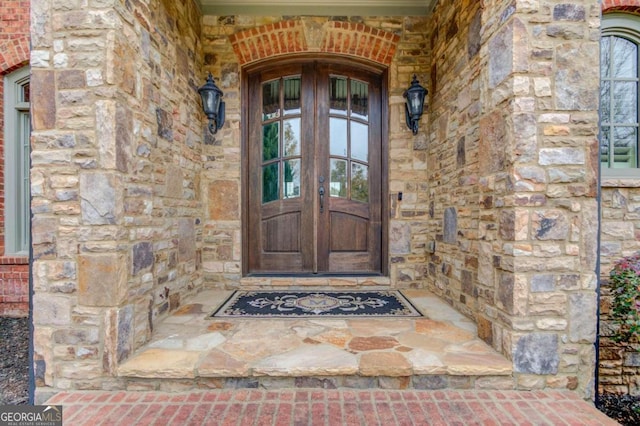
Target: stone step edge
471,371
417,382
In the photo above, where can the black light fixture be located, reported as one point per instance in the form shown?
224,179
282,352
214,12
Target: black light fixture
212,104
415,95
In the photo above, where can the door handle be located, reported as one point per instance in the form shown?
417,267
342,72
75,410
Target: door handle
321,192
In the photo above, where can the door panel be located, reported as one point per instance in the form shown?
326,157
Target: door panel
314,170
281,234
348,233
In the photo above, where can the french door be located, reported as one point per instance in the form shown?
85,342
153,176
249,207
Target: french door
314,172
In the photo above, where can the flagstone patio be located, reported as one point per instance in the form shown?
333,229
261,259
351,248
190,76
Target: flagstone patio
441,350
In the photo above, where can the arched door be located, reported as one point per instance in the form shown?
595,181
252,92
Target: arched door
314,170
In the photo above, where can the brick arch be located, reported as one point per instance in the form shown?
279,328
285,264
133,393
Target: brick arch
300,36
14,53
629,6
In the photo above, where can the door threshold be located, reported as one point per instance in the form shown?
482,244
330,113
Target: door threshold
312,275
264,281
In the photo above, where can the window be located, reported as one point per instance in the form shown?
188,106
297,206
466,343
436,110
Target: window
619,95
17,130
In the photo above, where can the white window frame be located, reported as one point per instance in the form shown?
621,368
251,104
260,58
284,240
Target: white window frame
626,26
17,131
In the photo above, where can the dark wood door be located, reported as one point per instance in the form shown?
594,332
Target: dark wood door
314,170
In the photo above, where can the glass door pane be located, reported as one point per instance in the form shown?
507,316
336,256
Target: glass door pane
281,139
349,138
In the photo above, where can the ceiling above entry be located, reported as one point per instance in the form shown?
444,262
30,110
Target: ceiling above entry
319,7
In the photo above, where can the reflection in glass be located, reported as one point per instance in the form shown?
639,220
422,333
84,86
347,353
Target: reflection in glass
338,95
605,56
270,141
338,184
604,145
291,137
626,101
359,183
338,136
624,147
625,58
270,100
292,95
291,178
270,189
619,102
359,99
359,141
26,93
605,101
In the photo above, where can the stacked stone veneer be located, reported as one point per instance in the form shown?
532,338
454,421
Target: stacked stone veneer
14,54
512,180
116,175
619,364
620,236
136,206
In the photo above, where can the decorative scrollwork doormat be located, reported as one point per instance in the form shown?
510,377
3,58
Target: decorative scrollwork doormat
310,304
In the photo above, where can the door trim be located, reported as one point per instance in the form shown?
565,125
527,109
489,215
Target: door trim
384,146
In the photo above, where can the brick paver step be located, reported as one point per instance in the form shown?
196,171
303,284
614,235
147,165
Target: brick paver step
328,407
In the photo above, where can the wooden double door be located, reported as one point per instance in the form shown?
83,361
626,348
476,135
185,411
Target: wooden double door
314,172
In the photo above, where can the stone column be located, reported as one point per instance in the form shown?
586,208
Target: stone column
80,143
117,131
539,139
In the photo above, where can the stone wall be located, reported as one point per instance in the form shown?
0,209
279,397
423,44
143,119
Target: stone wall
14,53
619,366
512,180
116,171
619,369
136,206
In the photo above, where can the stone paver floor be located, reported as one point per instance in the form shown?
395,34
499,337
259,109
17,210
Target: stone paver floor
328,407
189,345
163,377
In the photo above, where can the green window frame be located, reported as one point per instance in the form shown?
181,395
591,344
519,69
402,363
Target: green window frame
17,133
619,96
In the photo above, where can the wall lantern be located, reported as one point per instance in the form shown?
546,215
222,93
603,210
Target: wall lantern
415,103
212,104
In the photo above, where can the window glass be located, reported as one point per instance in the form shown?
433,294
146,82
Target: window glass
359,182
338,95
619,93
270,141
349,138
359,99
291,137
270,178
338,184
17,131
292,95
281,139
26,92
271,100
625,58
291,178
359,141
338,135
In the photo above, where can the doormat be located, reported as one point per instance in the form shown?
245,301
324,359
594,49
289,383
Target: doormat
310,304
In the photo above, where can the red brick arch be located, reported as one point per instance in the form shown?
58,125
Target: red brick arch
629,6
14,53
294,36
